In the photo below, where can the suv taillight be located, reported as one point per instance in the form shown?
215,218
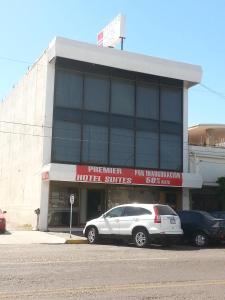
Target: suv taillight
157,216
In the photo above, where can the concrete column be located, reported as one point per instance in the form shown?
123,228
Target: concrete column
185,199
43,220
83,205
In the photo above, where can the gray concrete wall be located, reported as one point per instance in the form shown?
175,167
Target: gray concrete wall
22,131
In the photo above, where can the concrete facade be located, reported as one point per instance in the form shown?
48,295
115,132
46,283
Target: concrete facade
26,126
209,162
207,158
23,133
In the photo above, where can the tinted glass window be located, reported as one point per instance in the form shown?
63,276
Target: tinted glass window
121,121
66,141
122,97
95,144
68,89
147,125
135,211
131,211
95,118
147,149
147,101
165,210
171,128
141,114
170,152
96,96
115,212
171,104
122,147
69,115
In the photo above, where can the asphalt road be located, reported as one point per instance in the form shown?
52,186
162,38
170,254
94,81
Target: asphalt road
111,272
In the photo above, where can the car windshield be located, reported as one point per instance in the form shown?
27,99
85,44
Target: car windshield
218,214
207,215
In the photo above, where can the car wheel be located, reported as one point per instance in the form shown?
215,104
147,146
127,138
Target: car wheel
200,239
140,238
92,235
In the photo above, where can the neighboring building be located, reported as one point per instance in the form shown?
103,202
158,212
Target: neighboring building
106,125
207,157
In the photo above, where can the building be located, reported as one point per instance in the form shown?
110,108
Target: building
105,125
207,158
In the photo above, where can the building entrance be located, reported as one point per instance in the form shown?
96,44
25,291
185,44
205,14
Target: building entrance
95,203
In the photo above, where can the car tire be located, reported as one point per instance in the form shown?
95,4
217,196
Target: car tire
200,239
140,238
92,235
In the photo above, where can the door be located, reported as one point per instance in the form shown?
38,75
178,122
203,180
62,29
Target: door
110,222
95,203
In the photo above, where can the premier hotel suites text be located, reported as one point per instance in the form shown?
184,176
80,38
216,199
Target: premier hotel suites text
126,176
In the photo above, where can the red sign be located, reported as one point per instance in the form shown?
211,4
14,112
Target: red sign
45,176
109,175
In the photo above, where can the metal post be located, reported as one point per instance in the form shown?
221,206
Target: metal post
71,217
122,39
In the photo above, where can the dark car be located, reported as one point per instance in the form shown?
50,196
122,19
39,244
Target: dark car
218,214
200,227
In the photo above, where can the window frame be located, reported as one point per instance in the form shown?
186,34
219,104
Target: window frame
113,73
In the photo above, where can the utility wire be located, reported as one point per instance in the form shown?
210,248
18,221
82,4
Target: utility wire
15,60
213,91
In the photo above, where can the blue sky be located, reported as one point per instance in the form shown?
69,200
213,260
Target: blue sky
189,31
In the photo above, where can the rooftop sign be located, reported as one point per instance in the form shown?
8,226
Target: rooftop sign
112,34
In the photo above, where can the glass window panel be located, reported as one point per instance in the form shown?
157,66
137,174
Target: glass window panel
96,95
68,89
122,97
96,118
122,147
147,125
95,144
147,149
170,127
121,121
170,81
171,104
147,101
66,142
65,114
170,152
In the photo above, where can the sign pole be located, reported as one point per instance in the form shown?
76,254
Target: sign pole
71,211
71,217
122,40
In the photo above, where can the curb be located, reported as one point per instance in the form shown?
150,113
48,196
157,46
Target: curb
71,241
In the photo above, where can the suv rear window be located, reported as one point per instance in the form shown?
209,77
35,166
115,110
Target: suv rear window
165,210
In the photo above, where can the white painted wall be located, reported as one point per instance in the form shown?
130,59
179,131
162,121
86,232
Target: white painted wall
207,161
71,49
22,131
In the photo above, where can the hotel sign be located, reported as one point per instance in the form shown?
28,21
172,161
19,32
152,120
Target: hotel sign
127,176
112,33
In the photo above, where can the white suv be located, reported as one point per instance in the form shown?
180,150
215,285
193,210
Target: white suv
144,223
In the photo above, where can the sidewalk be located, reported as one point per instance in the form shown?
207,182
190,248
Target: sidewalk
25,237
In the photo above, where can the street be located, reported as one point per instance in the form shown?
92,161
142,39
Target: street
111,272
